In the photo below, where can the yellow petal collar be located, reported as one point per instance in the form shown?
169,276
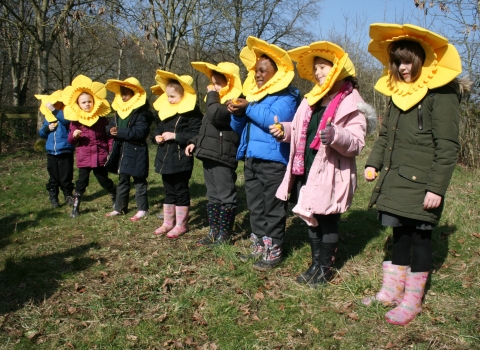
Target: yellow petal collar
442,62
283,77
70,96
305,56
139,98
166,109
53,98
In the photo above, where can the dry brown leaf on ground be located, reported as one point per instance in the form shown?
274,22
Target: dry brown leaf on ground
259,296
71,310
131,337
353,316
476,235
162,318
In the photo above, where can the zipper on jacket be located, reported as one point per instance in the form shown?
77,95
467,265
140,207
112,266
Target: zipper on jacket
221,143
55,142
166,152
340,170
420,117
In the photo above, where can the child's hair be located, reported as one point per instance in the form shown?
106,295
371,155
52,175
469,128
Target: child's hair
84,93
219,75
176,86
406,51
271,61
124,90
350,78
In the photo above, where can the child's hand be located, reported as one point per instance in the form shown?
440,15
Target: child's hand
328,134
431,201
167,136
276,129
52,126
159,139
237,106
189,149
210,88
50,106
114,131
370,173
77,133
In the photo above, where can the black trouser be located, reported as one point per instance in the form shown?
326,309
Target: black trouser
176,188
220,184
60,169
100,173
412,247
327,228
268,214
123,191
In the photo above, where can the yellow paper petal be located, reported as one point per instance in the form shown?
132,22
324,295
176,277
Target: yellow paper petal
167,110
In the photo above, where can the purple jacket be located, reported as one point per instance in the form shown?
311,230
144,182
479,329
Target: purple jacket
93,145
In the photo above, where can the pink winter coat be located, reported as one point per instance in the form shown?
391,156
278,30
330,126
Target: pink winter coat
332,178
92,147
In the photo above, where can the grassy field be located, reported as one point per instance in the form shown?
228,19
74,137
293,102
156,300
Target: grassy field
106,283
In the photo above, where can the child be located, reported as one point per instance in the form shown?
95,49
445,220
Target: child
415,153
180,120
216,145
268,93
130,128
85,103
59,152
327,133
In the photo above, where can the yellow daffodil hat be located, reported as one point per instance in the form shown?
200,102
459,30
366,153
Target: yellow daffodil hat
52,98
139,98
305,56
250,54
166,109
442,62
70,96
231,71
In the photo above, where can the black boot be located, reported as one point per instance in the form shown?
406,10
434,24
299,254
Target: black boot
213,213
227,219
327,258
68,195
113,196
313,270
76,205
53,196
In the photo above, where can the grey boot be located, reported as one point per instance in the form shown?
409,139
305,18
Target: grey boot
257,249
76,205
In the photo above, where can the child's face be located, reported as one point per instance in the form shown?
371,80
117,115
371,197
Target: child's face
173,95
126,93
405,70
264,71
218,82
85,102
321,68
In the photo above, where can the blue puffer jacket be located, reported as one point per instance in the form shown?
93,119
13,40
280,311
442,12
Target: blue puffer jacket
57,140
256,140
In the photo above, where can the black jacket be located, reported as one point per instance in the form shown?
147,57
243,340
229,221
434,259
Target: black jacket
134,154
171,156
216,139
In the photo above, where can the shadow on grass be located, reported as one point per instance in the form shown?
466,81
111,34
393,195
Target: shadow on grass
33,279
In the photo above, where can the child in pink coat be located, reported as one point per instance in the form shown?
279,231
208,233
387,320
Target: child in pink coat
325,136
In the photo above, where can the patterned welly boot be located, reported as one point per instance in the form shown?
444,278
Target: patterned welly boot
393,285
77,198
168,219
213,212
227,219
272,256
257,249
181,215
411,304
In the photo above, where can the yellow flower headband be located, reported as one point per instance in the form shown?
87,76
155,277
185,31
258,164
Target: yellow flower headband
70,95
231,73
53,98
139,98
166,109
305,56
442,62
283,77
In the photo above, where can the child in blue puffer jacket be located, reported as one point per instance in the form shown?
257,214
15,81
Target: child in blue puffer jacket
55,130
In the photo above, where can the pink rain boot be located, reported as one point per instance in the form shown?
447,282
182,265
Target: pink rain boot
182,223
168,219
411,304
393,285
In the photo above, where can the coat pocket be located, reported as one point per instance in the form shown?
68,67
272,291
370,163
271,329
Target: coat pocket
409,187
413,174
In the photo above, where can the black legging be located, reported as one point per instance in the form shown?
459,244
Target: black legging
327,228
412,247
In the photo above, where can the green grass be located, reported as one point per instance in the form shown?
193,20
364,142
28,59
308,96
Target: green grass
107,283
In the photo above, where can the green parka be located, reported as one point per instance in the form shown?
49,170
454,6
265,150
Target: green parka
416,152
